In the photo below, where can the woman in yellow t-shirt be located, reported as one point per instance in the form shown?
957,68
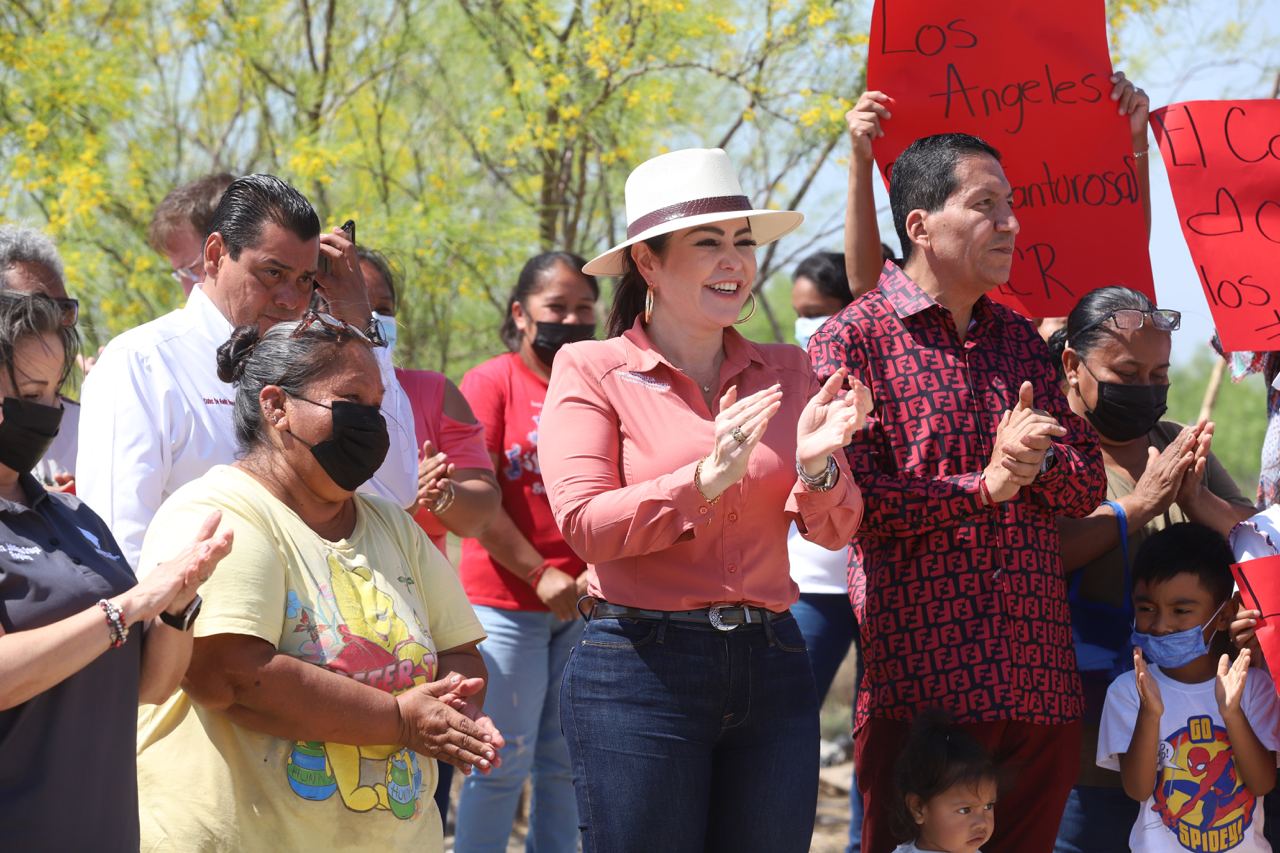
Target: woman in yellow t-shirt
336,646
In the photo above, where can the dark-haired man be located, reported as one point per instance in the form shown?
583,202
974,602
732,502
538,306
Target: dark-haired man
968,458
155,413
182,221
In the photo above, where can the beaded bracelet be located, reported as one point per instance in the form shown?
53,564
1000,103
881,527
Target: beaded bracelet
115,623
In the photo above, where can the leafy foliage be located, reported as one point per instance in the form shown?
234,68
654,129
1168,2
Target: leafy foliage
462,136
1239,415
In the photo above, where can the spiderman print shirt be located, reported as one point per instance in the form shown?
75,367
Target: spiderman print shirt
960,605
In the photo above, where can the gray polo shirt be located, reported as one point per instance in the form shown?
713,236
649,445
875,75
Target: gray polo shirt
68,778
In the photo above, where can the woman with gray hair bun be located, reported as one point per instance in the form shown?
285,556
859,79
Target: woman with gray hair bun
337,646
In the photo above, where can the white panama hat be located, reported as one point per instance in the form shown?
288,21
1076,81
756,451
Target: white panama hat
681,189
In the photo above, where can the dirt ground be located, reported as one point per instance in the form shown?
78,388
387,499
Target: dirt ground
830,830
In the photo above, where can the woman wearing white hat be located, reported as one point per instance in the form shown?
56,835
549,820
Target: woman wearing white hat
675,455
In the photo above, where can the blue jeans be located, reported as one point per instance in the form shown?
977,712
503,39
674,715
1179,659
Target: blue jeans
1096,820
686,739
525,653
829,627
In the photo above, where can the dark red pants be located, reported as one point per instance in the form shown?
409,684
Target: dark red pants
1040,765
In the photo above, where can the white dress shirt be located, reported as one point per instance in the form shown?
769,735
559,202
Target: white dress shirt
155,416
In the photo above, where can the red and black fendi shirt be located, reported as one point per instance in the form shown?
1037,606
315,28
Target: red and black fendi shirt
961,606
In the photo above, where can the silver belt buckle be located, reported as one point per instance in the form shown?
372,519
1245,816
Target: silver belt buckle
713,614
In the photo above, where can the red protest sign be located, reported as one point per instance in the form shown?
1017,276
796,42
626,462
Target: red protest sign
1034,80
1259,584
1223,159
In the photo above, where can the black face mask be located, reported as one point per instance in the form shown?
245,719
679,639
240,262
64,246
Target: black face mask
357,447
551,336
26,432
1126,412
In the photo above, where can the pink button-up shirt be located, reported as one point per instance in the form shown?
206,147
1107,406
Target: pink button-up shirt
620,435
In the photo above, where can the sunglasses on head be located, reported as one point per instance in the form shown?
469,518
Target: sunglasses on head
340,329
70,310
1129,319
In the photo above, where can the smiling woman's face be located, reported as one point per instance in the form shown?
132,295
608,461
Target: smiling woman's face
705,274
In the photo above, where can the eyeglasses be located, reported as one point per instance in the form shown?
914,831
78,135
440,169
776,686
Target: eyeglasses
1130,319
70,310
191,274
341,329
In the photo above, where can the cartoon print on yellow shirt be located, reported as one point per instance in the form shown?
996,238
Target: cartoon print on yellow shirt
354,630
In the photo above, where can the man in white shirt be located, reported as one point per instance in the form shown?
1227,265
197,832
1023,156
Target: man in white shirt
155,415
180,223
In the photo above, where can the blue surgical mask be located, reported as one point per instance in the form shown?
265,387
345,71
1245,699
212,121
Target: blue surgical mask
806,326
386,325
1171,651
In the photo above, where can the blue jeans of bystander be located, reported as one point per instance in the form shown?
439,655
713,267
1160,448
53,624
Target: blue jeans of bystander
829,627
1096,820
525,653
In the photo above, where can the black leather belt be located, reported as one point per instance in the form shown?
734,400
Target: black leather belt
723,617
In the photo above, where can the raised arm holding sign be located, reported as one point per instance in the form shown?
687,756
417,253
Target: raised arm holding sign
1223,159
1035,81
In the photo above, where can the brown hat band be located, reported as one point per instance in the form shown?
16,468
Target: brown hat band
694,207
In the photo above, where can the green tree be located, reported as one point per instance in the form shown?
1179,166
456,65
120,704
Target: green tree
462,135
1239,415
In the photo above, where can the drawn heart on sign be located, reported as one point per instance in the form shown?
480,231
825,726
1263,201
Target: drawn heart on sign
1268,220
1218,222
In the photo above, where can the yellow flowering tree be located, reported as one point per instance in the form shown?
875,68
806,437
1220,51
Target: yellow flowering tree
462,135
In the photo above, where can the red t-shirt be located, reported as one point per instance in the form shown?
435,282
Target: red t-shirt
464,443
507,400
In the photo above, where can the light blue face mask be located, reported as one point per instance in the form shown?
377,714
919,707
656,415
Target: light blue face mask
806,326
1171,651
386,325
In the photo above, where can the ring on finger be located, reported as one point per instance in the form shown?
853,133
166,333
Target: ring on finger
738,435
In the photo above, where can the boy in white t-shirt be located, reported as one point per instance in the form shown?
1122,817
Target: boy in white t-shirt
1193,736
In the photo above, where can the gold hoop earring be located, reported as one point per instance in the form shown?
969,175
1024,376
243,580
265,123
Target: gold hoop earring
648,305
750,313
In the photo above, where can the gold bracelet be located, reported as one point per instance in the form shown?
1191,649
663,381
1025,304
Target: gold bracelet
1138,155
697,483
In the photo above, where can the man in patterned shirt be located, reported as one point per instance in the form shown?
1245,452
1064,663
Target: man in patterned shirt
966,461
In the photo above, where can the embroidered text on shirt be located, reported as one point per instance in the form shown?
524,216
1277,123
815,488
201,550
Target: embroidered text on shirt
645,380
21,553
